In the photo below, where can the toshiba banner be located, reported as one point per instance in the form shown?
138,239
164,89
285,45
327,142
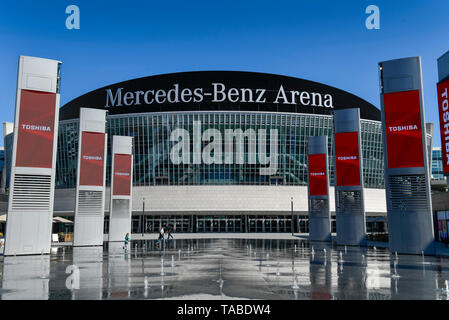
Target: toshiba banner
347,159
92,159
122,175
36,129
403,129
443,108
317,175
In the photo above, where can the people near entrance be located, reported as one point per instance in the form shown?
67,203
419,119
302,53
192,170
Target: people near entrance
161,235
125,246
168,232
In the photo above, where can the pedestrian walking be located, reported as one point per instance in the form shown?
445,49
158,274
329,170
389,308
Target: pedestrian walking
125,246
169,231
161,235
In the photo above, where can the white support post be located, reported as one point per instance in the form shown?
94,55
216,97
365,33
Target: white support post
121,188
91,175
30,207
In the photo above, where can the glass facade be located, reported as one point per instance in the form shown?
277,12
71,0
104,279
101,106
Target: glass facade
437,164
243,148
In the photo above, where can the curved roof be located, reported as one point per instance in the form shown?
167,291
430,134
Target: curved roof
218,90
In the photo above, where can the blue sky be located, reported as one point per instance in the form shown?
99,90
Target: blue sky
323,41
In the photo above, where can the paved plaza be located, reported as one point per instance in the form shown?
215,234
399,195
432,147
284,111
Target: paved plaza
224,268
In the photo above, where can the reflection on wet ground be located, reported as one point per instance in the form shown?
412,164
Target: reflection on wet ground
224,269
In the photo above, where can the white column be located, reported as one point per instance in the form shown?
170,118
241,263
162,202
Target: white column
30,207
91,175
121,188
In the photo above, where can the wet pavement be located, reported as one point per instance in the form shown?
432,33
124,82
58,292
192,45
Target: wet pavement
224,269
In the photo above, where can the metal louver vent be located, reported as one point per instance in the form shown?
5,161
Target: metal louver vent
31,192
90,202
407,193
319,208
349,202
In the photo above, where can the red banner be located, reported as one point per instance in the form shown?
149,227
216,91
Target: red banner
122,175
317,175
443,108
347,159
92,159
36,129
403,129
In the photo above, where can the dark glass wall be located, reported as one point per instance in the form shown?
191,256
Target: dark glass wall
153,148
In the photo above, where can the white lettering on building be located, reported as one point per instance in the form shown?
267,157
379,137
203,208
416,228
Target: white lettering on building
219,93
404,128
445,125
347,158
122,174
92,158
232,152
35,127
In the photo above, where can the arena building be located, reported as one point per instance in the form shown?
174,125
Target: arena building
221,151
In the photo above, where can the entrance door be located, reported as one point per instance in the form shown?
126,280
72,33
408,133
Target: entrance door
274,225
230,225
200,225
157,224
178,226
259,225
252,225
207,225
281,225
222,224
267,225
237,225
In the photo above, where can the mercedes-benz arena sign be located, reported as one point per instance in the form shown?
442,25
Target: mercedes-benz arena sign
219,90
212,143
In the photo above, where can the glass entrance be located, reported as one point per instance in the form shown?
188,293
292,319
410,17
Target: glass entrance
219,223
268,224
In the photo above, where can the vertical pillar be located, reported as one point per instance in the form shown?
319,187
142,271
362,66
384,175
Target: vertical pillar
90,187
443,109
407,182
318,187
8,128
30,207
349,194
429,137
121,188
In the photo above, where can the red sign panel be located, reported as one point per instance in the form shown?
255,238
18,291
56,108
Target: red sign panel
92,159
317,175
122,175
347,159
36,129
403,129
443,108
